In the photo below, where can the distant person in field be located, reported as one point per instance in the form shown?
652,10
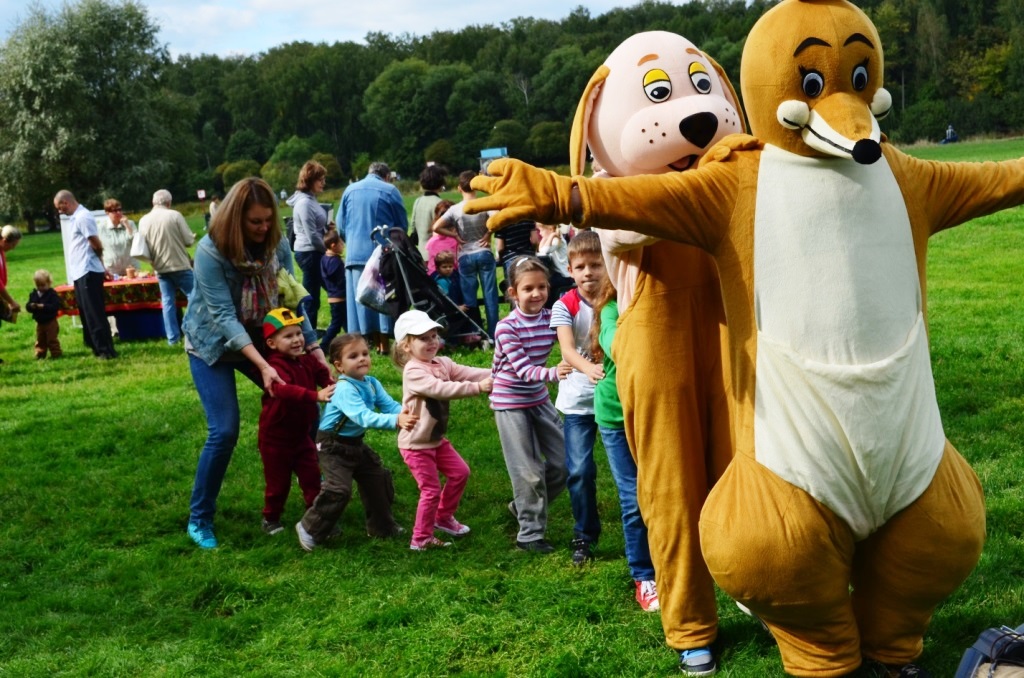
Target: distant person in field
332,275
311,224
116,233
83,254
477,267
289,415
168,237
44,305
368,203
432,182
439,242
235,287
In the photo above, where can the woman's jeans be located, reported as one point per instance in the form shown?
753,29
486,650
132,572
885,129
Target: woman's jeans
309,264
634,530
216,387
478,269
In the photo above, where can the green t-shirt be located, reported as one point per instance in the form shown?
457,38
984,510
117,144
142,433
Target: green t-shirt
607,408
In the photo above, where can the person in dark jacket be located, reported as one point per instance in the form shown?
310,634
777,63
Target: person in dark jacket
44,304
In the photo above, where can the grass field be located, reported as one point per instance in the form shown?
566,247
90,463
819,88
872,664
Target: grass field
97,576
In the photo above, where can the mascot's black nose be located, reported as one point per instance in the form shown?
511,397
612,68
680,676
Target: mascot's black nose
700,128
866,151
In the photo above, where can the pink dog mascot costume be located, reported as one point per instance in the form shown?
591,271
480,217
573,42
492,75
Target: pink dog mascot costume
846,516
655,106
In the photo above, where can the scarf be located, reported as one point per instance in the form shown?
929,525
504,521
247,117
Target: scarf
259,288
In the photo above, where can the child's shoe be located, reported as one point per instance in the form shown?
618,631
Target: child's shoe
535,546
202,534
697,662
272,527
429,543
647,595
452,527
306,540
581,553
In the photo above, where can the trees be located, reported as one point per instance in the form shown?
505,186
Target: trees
83,111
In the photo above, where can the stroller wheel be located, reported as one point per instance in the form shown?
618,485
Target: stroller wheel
486,345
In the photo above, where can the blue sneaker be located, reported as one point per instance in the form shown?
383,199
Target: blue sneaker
202,535
697,662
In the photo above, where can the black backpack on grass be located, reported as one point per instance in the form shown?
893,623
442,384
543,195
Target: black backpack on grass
999,648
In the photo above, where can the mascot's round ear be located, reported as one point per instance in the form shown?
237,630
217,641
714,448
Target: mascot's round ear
730,92
581,121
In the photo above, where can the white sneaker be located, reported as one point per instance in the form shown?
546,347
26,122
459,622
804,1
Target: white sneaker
647,595
306,540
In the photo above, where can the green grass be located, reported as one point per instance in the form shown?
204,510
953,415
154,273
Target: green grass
97,576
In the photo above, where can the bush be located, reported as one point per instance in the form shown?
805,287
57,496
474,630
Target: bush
236,171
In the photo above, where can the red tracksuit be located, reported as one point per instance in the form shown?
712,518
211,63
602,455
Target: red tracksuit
286,421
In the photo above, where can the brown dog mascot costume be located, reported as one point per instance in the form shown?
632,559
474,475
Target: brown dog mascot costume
655,106
845,517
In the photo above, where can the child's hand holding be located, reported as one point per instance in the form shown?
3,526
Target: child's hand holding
486,385
406,419
595,373
324,394
564,369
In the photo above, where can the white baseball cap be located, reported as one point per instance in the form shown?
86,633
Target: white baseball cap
414,323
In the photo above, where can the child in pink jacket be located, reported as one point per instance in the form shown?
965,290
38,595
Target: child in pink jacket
428,384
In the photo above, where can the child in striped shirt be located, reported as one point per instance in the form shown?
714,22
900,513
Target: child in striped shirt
529,428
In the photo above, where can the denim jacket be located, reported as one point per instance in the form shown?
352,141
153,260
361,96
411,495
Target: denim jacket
211,325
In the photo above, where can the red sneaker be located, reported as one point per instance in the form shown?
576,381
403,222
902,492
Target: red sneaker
452,527
647,595
431,543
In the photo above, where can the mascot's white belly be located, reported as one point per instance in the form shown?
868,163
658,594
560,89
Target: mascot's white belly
845,403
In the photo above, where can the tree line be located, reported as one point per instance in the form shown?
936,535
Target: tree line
91,101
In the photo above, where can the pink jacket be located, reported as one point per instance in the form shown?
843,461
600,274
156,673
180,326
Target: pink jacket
427,389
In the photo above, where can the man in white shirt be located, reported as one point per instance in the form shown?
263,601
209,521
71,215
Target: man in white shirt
168,236
83,254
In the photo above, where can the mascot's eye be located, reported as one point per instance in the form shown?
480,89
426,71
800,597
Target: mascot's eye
700,78
813,83
657,85
860,77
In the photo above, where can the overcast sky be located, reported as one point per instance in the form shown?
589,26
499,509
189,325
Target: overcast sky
252,26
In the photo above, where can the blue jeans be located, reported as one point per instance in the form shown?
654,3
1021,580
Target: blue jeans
309,264
337,326
634,530
475,270
216,387
170,283
580,434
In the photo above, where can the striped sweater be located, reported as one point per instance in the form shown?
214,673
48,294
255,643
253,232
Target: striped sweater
522,346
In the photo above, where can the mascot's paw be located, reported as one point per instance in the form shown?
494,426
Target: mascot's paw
521,191
721,151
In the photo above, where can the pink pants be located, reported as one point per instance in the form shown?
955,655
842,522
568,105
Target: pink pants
436,504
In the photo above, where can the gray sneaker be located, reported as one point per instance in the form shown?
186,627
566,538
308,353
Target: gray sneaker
272,527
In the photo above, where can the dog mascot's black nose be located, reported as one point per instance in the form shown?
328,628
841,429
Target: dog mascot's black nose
699,129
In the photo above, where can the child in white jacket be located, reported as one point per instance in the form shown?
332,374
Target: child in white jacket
428,384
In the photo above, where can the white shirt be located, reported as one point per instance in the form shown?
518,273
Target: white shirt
79,256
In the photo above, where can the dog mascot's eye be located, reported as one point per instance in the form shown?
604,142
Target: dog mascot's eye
813,83
700,78
657,85
860,77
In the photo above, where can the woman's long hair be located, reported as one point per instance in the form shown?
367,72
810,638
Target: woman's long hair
227,227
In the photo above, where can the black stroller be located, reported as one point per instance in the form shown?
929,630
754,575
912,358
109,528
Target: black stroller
408,285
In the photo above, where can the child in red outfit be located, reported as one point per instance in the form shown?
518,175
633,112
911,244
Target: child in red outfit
289,415
428,384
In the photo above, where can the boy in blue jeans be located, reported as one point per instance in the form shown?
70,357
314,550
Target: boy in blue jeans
571,318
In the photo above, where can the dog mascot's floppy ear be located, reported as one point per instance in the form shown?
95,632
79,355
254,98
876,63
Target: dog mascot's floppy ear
670,103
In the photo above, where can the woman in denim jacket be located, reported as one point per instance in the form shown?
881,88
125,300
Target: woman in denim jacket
236,267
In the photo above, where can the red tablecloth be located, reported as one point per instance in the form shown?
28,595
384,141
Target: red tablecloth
136,294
